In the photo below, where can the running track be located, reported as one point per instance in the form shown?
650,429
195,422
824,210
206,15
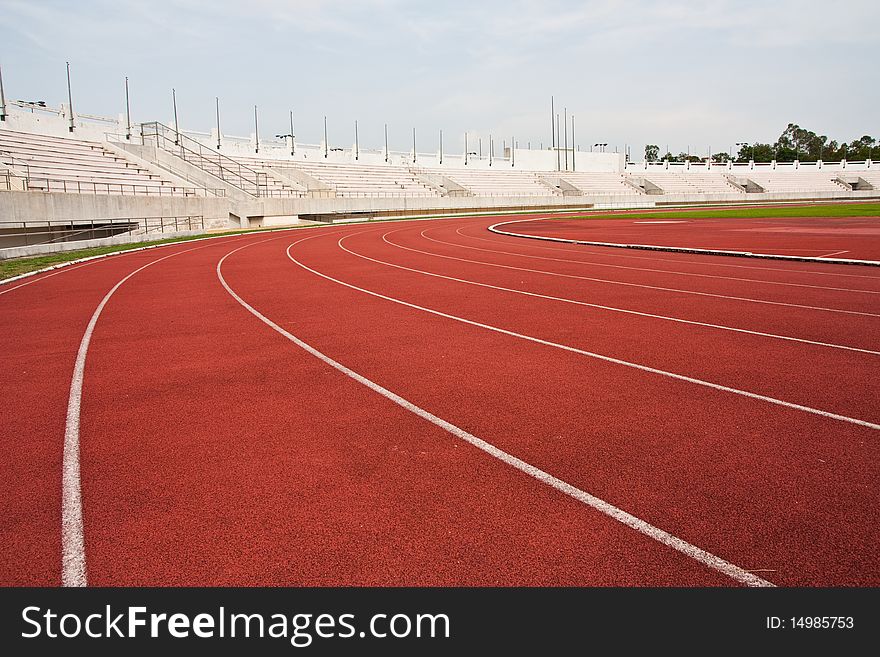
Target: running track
815,237
475,409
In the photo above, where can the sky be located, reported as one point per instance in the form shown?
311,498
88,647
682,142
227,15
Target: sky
683,75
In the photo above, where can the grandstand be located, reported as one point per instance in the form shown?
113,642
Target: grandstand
498,182
597,182
354,180
73,171
61,164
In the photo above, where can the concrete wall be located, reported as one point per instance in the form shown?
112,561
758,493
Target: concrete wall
66,208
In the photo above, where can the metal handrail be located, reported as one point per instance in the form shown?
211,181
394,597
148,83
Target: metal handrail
225,168
13,160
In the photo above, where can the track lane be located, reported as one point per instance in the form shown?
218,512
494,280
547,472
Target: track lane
859,237
720,357
254,463
41,325
766,318
683,261
679,462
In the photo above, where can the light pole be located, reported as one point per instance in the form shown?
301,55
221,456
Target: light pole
217,102
127,113
256,132
69,98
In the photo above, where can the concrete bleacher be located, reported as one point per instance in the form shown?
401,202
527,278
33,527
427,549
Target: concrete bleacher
795,181
366,180
598,183
55,164
691,182
498,182
276,186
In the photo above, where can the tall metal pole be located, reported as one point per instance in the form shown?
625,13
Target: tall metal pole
176,124
565,132
127,112
441,145
414,145
552,128
480,148
69,98
256,132
573,142
357,150
292,136
386,142
491,149
2,98
512,151
465,148
217,103
326,148
558,162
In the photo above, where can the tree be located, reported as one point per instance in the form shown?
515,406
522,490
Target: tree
652,152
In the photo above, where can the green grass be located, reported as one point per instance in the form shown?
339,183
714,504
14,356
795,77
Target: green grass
16,266
821,210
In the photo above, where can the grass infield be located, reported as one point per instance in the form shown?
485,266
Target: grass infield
823,210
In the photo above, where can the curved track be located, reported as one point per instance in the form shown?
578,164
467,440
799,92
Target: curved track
428,403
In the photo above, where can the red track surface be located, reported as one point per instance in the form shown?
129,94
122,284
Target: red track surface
216,451
836,237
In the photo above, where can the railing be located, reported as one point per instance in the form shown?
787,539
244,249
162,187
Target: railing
189,150
44,184
33,233
11,160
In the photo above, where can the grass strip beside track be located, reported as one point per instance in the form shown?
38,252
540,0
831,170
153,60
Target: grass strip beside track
823,210
17,266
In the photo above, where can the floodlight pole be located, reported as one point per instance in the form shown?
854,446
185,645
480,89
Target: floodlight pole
512,151
292,136
414,145
572,144
357,151
127,112
2,98
558,161
326,149
176,124
217,104
69,99
565,133
256,132
465,148
386,142
441,145
491,149
552,128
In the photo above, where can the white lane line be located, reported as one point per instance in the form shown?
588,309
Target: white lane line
702,556
5,289
73,554
598,306
828,255
649,287
609,253
602,357
645,269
